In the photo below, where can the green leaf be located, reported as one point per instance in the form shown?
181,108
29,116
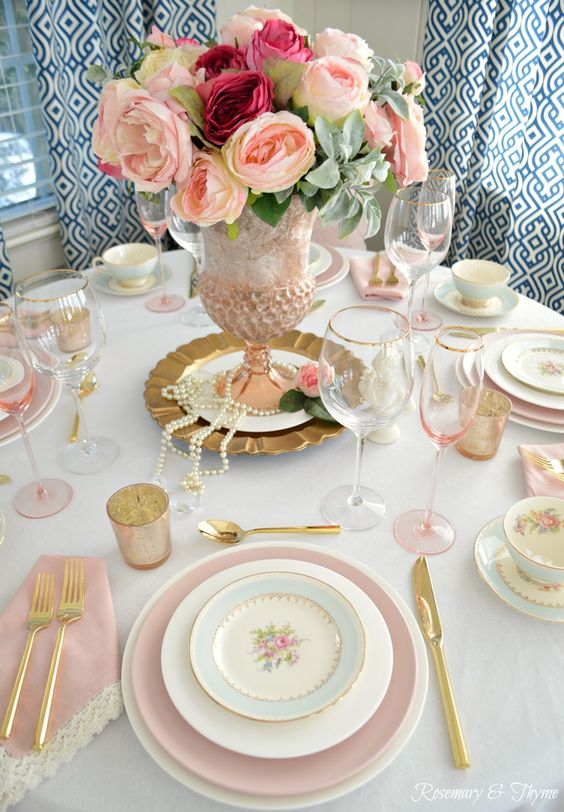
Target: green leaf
286,77
192,103
347,227
281,196
306,188
328,135
315,408
309,203
396,101
353,132
251,198
292,401
151,197
325,176
391,183
269,210
96,74
233,230
373,215
301,112
340,206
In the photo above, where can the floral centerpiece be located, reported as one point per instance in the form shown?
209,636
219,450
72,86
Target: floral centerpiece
258,133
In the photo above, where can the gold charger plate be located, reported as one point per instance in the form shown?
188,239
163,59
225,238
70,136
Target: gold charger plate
190,357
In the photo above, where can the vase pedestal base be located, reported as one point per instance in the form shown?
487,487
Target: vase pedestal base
259,382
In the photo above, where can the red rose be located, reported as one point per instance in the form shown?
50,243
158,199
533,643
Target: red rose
279,39
220,58
231,99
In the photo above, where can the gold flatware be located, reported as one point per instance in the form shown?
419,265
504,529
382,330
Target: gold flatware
552,465
39,617
392,278
430,623
5,479
316,305
71,607
484,331
438,396
87,385
375,280
230,533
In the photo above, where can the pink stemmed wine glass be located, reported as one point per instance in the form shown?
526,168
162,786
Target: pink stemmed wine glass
441,180
151,207
446,409
43,497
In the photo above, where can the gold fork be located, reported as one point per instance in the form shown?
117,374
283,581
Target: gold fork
392,278
375,280
39,617
71,607
551,465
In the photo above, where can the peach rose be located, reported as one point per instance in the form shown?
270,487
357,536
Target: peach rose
413,75
157,37
160,84
406,153
333,42
306,380
332,87
154,62
377,128
271,152
211,193
153,143
112,101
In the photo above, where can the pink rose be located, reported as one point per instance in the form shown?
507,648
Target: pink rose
333,42
212,194
271,152
110,105
220,58
154,144
278,39
239,29
113,170
307,381
231,100
187,41
332,87
406,153
282,641
377,128
159,38
160,84
413,75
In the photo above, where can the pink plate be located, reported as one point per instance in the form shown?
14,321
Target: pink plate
42,398
259,776
334,271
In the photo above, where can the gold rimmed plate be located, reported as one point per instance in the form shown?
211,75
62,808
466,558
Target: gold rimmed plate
201,354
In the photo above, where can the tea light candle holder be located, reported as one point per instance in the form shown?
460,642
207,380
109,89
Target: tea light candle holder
139,517
73,328
483,437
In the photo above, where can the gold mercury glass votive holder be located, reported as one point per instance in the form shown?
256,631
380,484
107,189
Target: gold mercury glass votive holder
482,439
139,516
73,328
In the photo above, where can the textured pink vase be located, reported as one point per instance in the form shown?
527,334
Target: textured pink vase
258,287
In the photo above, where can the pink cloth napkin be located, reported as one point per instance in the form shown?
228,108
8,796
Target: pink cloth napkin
362,269
88,690
539,482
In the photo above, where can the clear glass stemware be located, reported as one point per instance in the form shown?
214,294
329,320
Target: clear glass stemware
189,236
365,381
446,408
42,497
417,236
63,328
152,207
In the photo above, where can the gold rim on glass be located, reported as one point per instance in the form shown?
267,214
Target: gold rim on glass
461,333
46,275
373,308
400,195
4,306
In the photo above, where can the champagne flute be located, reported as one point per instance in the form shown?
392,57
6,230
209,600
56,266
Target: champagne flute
442,180
189,236
417,237
365,381
43,497
446,409
151,207
66,344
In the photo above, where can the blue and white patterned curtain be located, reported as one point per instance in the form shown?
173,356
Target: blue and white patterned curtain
68,35
494,75
5,270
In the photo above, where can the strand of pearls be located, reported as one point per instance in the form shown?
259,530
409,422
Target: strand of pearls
196,393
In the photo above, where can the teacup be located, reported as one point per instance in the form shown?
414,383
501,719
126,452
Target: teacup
534,529
479,280
131,263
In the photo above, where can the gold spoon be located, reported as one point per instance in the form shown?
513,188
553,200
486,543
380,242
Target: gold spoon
230,533
87,385
5,479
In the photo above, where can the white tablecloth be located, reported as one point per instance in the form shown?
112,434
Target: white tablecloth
507,669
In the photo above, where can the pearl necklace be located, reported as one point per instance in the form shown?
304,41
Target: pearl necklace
193,394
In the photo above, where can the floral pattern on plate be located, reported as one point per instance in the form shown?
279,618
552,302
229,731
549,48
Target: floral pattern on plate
275,646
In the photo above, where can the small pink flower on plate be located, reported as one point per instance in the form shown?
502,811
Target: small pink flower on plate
306,380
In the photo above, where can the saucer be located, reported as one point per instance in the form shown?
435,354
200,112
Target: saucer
447,295
106,283
499,571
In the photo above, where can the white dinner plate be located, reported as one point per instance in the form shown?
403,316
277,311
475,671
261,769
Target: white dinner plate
294,800
537,362
319,259
276,739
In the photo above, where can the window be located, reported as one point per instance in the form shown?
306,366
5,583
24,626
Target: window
25,180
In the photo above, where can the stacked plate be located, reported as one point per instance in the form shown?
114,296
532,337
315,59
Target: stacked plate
529,369
275,676
45,396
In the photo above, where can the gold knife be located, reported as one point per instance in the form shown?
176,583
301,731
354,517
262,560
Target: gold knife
483,331
431,627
